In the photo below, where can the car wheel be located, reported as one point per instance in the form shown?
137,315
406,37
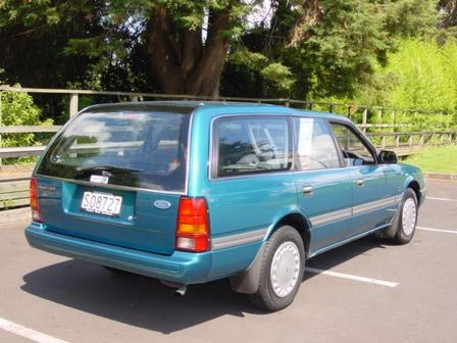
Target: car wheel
406,218
282,268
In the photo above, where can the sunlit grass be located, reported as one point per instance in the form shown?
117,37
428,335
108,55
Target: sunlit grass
438,160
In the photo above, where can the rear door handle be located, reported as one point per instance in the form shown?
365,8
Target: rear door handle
361,182
307,190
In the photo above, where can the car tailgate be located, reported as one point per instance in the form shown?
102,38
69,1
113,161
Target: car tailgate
146,220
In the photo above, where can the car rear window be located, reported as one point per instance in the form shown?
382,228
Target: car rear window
141,149
246,145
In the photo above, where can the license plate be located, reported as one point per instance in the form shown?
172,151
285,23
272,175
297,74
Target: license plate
101,203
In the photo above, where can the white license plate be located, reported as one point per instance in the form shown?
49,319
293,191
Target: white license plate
101,203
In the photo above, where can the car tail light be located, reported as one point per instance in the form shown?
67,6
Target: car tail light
36,215
192,230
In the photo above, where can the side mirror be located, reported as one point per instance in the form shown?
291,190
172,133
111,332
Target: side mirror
386,156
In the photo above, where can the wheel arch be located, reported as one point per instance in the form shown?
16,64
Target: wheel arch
391,230
414,185
248,281
299,223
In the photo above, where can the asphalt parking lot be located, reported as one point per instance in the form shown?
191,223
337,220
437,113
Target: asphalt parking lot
367,291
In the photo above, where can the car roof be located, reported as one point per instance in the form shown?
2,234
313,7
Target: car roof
211,108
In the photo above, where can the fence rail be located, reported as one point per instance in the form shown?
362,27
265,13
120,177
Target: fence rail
345,109
403,143
410,139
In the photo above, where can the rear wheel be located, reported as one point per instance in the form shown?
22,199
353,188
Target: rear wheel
406,219
282,269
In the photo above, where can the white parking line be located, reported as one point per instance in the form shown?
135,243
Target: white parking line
436,230
30,334
440,199
353,277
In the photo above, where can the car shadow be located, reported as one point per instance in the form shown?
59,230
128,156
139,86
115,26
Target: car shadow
345,253
132,299
144,302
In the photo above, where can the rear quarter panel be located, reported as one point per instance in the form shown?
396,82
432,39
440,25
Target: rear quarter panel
238,206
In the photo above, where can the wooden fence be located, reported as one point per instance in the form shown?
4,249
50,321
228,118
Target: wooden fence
14,185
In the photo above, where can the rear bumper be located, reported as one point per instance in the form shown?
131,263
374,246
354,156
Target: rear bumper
180,267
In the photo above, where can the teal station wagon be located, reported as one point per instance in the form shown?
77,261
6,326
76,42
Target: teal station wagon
189,192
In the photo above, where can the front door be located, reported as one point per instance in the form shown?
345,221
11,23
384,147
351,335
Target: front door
375,199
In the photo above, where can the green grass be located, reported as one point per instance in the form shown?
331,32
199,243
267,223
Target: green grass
437,160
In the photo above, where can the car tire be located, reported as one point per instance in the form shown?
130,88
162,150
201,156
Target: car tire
281,271
406,218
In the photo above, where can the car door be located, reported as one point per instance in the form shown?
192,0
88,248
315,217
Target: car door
375,196
323,185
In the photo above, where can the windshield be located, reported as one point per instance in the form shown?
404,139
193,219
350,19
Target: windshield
131,148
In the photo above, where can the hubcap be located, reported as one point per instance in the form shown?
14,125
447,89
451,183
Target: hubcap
285,268
409,216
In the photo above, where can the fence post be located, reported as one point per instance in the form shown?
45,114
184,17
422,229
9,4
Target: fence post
365,119
73,104
1,124
381,113
392,119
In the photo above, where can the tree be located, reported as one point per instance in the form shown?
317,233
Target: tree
181,59
301,48
35,36
331,47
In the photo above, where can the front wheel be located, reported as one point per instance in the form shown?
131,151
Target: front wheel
406,219
282,268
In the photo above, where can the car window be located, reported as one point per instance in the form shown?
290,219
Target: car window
135,148
353,148
316,148
251,145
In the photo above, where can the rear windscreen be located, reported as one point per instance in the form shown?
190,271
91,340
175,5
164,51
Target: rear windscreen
124,148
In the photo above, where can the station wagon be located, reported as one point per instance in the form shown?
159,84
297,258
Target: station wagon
190,192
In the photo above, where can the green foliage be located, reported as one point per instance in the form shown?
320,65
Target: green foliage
352,36
313,49
278,78
18,109
330,47
422,76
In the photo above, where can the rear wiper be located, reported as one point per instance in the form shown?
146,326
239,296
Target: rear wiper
80,172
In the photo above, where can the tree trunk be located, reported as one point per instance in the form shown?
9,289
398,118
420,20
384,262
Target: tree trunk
181,61
311,14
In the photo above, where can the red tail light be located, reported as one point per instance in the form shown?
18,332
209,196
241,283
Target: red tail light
192,230
36,215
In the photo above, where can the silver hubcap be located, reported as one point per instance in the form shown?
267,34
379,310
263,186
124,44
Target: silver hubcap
285,269
409,216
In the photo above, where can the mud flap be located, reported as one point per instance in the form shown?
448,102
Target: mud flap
248,281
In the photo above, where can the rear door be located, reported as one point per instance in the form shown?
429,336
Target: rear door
116,176
324,188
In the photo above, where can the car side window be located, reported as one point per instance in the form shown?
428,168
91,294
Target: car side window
352,146
316,148
251,145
